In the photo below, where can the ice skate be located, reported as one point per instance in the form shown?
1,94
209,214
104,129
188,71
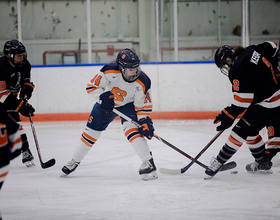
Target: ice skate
214,168
69,167
27,158
272,152
263,164
148,170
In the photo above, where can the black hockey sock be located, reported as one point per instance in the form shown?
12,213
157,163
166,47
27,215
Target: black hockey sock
25,145
258,152
225,154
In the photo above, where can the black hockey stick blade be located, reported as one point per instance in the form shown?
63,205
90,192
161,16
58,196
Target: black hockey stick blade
48,164
227,166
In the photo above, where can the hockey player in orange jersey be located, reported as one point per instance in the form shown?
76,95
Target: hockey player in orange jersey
124,86
253,72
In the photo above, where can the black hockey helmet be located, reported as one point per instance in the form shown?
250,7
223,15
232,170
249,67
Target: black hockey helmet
224,56
14,47
127,59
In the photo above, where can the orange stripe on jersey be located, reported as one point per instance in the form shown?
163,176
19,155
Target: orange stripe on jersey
112,71
142,84
273,143
89,91
4,174
144,113
245,100
136,136
234,141
255,141
89,137
144,107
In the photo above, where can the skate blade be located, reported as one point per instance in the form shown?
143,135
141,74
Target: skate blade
63,174
208,177
261,171
29,163
150,176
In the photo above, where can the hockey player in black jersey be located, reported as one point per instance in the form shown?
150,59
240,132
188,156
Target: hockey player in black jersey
253,73
10,143
16,89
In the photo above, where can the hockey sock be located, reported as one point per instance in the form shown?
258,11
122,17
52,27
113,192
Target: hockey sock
89,137
256,146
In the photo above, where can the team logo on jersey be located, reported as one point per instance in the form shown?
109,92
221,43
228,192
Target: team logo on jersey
137,88
255,57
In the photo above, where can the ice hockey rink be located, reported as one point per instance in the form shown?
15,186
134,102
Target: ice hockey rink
106,185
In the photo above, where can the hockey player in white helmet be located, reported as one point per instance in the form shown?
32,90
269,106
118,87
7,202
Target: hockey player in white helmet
124,86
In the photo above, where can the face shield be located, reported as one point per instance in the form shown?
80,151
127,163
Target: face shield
131,74
227,65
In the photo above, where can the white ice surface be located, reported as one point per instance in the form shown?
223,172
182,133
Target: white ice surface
106,185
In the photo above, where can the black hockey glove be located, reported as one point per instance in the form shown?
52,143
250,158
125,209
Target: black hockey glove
147,128
226,117
24,108
26,90
107,101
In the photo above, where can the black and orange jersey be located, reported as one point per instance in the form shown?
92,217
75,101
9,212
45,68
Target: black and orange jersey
12,78
252,77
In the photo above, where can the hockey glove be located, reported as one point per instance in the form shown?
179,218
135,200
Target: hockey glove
24,108
107,101
26,90
226,117
147,128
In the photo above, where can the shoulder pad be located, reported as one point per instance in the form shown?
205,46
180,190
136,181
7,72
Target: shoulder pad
144,80
110,66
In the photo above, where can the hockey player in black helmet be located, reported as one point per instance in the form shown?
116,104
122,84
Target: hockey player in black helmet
224,58
252,72
129,64
16,89
124,86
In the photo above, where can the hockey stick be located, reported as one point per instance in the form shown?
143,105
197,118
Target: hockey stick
226,166
49,163
194,160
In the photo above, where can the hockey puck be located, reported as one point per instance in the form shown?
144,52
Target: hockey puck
234,172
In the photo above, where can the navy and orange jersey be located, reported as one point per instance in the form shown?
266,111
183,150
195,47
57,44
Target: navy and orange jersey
12,78
138,92
252,77
10,143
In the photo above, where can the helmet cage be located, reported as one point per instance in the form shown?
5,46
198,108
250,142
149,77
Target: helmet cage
15,47
130,78
224,58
